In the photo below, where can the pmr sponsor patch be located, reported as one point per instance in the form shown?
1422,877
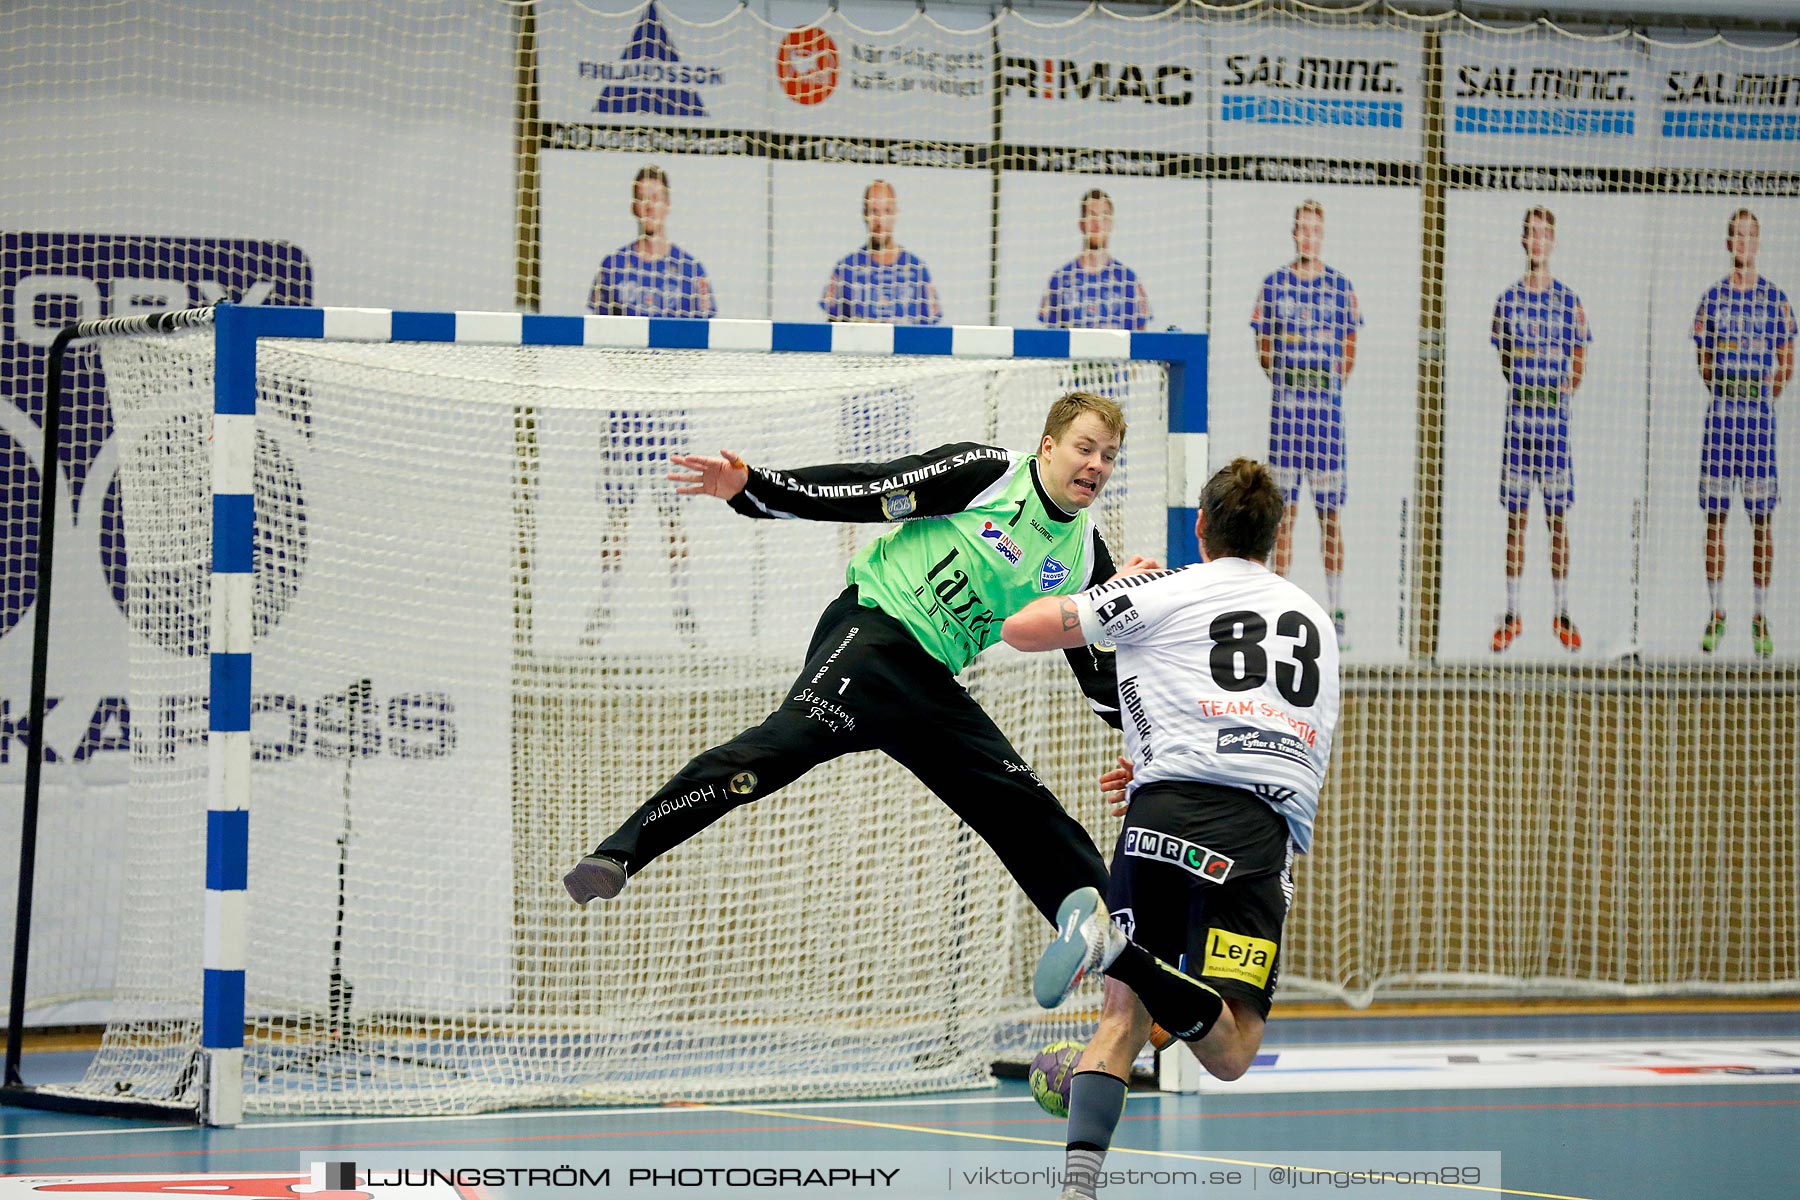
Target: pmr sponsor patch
1117,615
1239,956
1191,857
1243,739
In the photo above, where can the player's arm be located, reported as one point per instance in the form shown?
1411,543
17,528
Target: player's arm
1143,306
1703,356
1097,670
600,301
1352,322
1065,622
1265,353
1784,370
1577,367
934,312
831,301
933,484
704,304
1500,334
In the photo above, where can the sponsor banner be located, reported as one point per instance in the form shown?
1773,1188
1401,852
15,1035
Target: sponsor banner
1695,458
1464,1065
48,281
1099,252
897,244
1281,88
1542,99
647,68
830,77
1560,438
1131,85
712,211
1361,467
1727,106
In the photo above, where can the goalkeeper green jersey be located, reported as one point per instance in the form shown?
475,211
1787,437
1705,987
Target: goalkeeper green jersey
978,539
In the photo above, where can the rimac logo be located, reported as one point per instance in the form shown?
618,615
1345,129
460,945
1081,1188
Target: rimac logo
1169,84
649,78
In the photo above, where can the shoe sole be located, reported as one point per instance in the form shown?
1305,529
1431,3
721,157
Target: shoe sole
594,878
1065,961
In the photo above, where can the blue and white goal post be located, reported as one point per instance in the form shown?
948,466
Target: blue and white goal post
409,1049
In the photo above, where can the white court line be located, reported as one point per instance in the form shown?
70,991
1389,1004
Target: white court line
539,1114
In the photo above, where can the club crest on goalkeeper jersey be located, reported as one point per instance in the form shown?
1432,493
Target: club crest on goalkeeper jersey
1228,674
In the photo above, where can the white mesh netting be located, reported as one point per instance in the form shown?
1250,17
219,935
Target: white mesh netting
486,629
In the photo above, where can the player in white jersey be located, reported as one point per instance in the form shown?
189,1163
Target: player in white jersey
1228,686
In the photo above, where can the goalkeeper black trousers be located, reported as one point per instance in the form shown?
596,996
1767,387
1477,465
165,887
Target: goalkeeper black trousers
869,685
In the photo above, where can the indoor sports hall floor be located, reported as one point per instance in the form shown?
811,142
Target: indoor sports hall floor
1651,1103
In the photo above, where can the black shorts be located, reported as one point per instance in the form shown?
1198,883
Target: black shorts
1201,878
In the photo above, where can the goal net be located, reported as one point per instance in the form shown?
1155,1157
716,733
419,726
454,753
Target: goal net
485,628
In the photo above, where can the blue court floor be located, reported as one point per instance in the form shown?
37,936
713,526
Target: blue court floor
1695,1105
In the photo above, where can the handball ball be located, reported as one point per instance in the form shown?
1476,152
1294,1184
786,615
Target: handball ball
1051,1072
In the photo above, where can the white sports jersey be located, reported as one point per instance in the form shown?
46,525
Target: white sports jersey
1228,674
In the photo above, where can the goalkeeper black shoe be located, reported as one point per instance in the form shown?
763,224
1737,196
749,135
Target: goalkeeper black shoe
1086,942
595,875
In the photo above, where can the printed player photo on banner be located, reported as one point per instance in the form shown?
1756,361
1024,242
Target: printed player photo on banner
1100,252
1721,560
1314,368
898,245
654,235
1544,413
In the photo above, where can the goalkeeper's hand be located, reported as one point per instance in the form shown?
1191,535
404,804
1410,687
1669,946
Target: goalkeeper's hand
1112,786
704,475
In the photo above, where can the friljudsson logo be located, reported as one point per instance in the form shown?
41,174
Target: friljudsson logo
1169,84
649,76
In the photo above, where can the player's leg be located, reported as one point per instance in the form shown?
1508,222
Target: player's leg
1761,494
961,755
617,490
1098,1089
1717,460
817,722
1515,498
1762,571
1330,489
1287,461
1557,482
968,764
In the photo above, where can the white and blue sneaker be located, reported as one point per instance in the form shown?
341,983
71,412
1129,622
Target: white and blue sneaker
1087,941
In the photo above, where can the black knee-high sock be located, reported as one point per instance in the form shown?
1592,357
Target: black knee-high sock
1179,1003
1096,1102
